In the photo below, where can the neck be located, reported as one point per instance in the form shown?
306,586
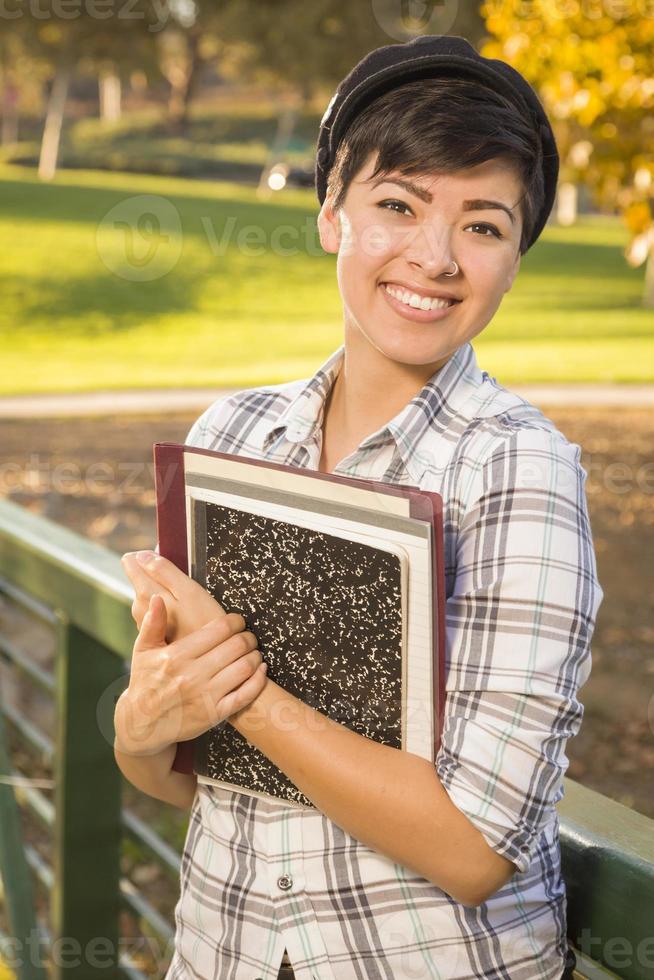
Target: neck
370,389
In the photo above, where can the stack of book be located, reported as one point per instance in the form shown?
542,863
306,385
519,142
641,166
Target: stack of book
340,579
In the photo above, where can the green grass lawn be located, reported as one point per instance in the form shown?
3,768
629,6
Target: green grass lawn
79,312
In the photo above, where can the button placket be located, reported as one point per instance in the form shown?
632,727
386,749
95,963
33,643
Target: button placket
288,886
286,866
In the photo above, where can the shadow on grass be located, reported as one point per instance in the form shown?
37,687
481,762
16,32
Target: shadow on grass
33,201
99,305
108,301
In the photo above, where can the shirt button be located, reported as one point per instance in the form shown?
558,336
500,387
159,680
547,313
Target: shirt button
285,882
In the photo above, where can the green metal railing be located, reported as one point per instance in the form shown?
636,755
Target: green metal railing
79,589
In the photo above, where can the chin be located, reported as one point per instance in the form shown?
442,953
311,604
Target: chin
403,349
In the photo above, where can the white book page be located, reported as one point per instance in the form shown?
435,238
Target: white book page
287,480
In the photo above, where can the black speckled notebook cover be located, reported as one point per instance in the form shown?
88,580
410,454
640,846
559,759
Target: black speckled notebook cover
328,615
296,605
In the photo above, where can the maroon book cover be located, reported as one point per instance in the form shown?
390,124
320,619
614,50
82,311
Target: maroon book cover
172,537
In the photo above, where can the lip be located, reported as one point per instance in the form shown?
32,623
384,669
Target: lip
410,313
412,288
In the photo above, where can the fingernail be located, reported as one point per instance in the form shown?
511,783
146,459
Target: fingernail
143,557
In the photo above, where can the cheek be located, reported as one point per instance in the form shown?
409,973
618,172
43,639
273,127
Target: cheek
358,268
487,274
367,242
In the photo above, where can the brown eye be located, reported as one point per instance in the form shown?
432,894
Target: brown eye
493,230
384,205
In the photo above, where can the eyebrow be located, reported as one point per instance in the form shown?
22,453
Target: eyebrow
476,204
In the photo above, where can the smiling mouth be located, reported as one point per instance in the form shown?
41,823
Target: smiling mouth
414,301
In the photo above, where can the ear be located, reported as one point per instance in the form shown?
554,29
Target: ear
513,272
329,227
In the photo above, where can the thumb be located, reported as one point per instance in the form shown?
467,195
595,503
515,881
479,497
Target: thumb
153,628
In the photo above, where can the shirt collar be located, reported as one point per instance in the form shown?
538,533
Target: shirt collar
434,409
303,414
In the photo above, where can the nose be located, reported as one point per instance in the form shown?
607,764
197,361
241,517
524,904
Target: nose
429,249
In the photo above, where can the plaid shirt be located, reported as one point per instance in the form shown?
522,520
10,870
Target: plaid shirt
522,599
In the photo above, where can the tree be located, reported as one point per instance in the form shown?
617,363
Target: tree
592,65
312,46
21,84
302,50
59,39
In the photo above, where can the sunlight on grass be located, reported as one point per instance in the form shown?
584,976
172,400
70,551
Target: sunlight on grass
245,295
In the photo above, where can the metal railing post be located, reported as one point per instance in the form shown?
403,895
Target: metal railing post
87,835
16,877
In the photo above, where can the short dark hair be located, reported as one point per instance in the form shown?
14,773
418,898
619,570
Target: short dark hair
442,125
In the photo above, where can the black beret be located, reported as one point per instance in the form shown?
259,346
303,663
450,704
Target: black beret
429,56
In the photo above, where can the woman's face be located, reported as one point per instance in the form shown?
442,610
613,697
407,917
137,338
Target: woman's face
406,239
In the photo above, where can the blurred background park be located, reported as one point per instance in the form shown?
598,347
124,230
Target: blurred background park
157,213
207,108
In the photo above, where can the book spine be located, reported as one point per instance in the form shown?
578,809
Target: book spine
171,505
171,534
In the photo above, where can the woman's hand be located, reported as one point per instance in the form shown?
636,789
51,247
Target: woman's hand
188,605
179,690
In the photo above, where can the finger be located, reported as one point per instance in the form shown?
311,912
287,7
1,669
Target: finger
235,647
153,628
244,694
215,632
140,607
164,572
144,589
237,672
217,664
230,678
144,584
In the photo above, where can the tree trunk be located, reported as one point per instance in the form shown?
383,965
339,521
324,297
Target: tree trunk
285,126
566,203
53,122
183,83
648,296
191,79
110,94
9,115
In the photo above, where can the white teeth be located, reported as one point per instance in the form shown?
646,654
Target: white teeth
416,301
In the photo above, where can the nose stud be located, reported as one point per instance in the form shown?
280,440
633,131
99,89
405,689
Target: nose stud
456,269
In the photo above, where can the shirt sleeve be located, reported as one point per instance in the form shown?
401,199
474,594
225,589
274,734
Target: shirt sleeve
207,429
198,433
519,625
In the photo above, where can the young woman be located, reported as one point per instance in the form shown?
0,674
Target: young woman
436,171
